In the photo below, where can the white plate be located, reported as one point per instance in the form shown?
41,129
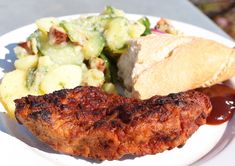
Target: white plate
209,145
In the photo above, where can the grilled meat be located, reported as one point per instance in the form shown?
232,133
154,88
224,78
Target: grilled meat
88,122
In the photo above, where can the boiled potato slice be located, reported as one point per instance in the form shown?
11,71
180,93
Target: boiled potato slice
26,62
45,61
65,76
13,86
20,52
84,68
94,77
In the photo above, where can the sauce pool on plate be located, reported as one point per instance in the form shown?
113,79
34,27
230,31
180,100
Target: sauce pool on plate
223,103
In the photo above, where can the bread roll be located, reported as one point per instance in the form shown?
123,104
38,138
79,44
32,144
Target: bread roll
160,64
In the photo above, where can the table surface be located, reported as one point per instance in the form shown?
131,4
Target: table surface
14,14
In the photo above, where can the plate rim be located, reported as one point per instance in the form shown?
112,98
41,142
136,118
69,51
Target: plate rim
214,159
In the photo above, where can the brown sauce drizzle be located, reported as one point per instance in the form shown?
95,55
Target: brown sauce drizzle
223,103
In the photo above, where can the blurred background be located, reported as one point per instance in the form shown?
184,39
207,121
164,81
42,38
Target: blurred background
14,14
222,12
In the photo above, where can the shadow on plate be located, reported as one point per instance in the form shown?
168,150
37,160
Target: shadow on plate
7,63
12,128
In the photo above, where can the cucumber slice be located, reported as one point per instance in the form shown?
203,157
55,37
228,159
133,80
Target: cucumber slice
119,31
44,24
116,35
92,42
34,79
94,45
93,23
38,40
136,29
75,33
145,21
63,54
108,76
109,10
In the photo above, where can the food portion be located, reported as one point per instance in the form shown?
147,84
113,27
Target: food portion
69,53
222,97
13,86
174,63
88,122
96,54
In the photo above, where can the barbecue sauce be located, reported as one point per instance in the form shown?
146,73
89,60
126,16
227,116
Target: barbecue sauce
223,103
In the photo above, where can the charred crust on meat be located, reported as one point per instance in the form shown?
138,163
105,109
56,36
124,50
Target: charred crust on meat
56,101
203,115
138,106
79,106
201,119
115,124
19,105
181,146
77,89
17,119
35,104
160,101
165,137
61,94
42,114
164,114
173,96
96,112
99,123
179,102
124,116
72,100
48,98
106,144
149,113
102,126
63,107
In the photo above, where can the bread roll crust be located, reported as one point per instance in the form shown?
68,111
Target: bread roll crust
192,64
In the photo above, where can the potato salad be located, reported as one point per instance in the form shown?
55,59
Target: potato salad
69,53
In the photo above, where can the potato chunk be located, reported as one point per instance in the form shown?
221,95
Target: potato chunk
13,86
65,76
27,62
